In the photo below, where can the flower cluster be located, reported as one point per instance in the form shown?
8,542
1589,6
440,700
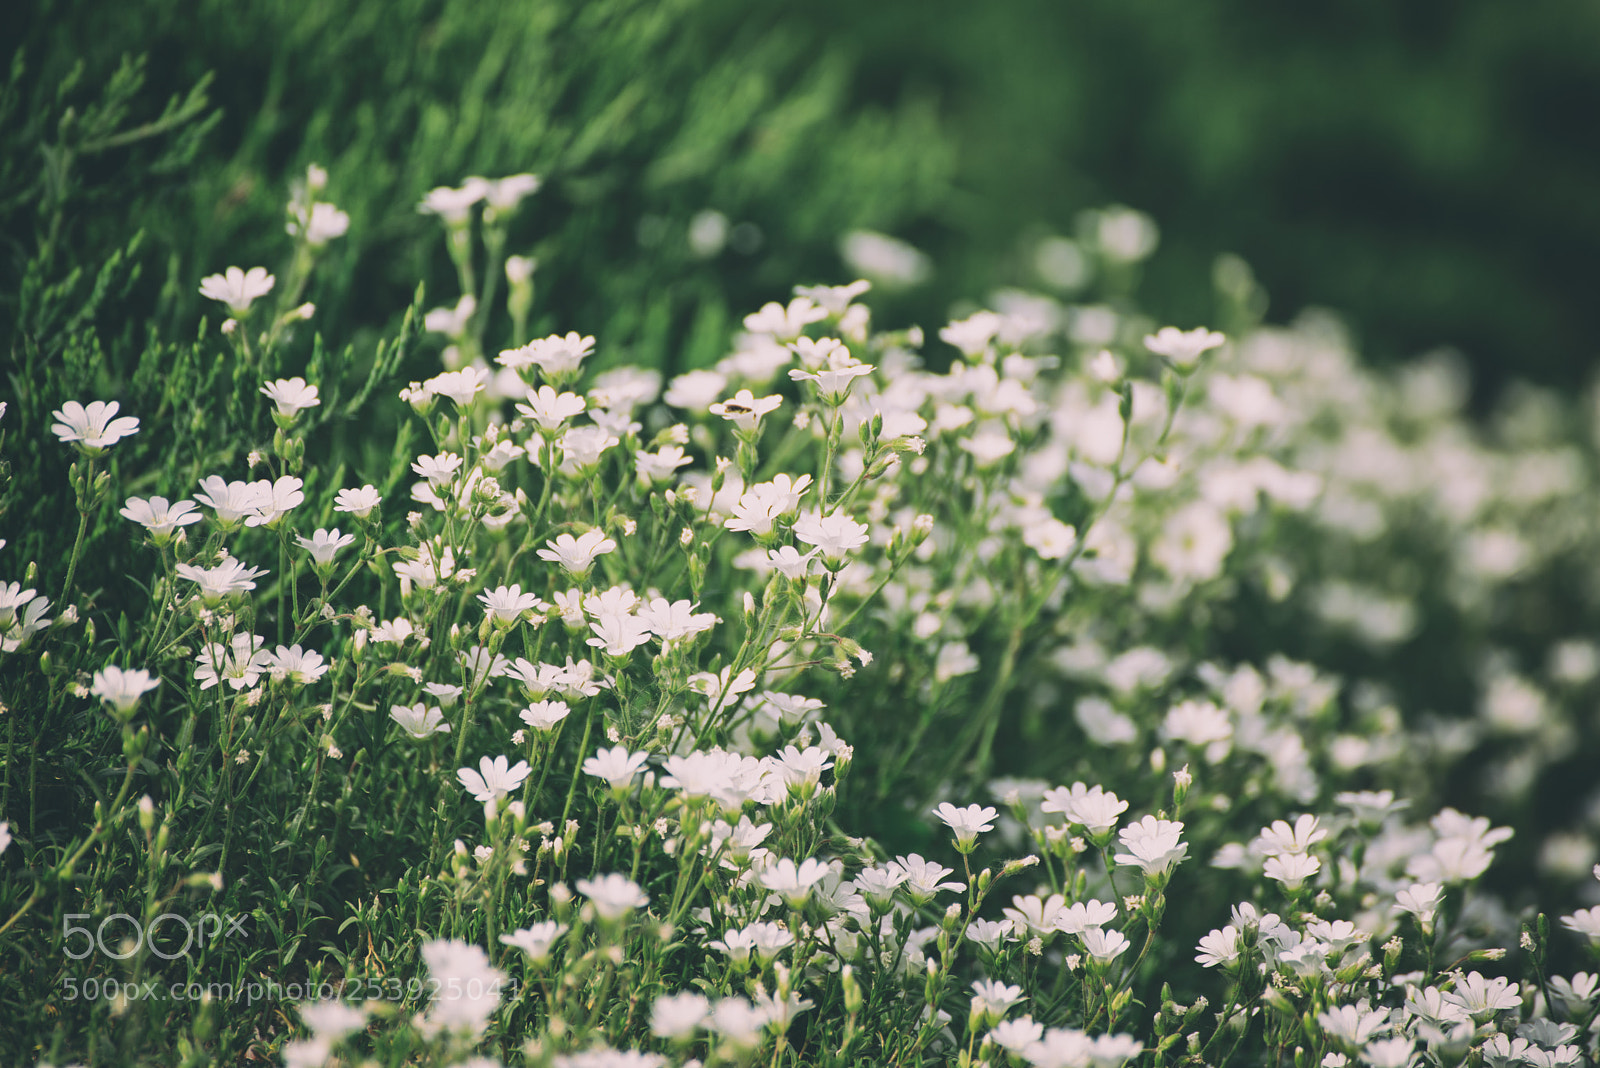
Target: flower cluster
667,726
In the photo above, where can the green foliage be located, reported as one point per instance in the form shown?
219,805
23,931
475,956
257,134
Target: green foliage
394,100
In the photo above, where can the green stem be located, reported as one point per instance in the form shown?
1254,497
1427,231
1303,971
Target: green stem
84,508
583,747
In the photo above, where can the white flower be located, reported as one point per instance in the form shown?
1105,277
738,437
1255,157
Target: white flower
660,465
466,990
1370,806
1039,916
803,768
576,555
1083,915
988,933
1421,900
739,1022
291,395
535,941
766,940
834,299
617,766
755,512
446,693
833,535
237,289
1103,945
675,1016
616,600
618,633
452,322
1152,844
972,334
505,194
299,666
1389,1052
793,882
878,885
1200,724
1124,234
1183,348
954,660
695,390
614,895
159,517
1017,1036
454,206
396,630
1585,922
21,616
1092,808
1219,947
419,720
1482,997
989,444
1352,1024
1194,543
967,823
675,620
1281,838
1576,993
494,779
1050,538
332,1019
790,707
505,604
544,715
439,470
460,386
122,689
93,429
239,663
704,773
549,409
719,687
784,323
1450,860
1291,869
923,878
224,580
556,356
480,663
744,409
833,381
321,224
788,561
231,501
275,500
991,999
893,262
324,544
737,841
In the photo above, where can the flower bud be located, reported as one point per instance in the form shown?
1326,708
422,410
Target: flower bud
852,990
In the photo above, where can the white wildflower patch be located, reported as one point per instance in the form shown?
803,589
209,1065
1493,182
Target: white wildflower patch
657,724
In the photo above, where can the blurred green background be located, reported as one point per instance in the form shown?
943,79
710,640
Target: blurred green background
1430,168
